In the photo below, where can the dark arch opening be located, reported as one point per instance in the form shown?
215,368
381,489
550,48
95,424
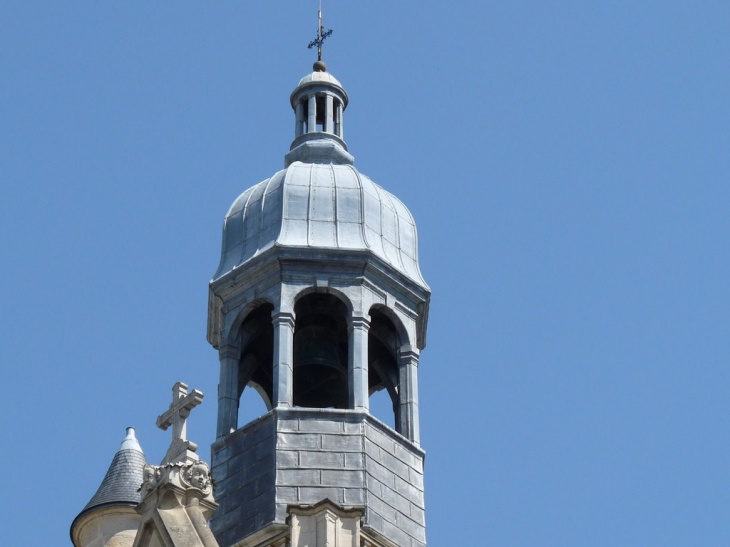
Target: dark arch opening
256,367
320,352
383,344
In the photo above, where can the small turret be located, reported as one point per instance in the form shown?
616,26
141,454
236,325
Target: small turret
110,518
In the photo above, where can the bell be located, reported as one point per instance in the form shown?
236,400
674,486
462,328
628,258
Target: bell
320,369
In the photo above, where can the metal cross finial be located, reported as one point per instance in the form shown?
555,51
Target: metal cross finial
176,416
322,34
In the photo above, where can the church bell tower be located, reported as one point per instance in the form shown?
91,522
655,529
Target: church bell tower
318,302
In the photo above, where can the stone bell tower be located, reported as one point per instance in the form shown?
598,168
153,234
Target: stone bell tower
318,302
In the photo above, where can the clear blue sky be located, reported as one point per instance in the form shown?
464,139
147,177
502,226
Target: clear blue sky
568,166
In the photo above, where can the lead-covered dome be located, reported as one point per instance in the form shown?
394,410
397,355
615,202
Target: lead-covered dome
320,200
326,206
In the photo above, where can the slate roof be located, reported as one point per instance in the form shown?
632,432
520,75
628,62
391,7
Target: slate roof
123,478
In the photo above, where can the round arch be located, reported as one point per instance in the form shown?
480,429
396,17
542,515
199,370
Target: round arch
232,336
324,290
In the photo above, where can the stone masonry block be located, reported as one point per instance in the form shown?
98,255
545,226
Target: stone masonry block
284,424
251,470
322,460
222,455
247,437
407,457
392,498
298,477
385,476
379,438
416,479
255,488
251,457
408,491
293,441
412,528
319,426
312,495
352,478
354,428
372,449
354,496
382,508
394,464
288,494
374,519
287,458
395,534
346,443
227,520
354,460
418,515
374,486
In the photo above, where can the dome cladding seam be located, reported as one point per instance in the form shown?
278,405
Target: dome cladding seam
363,231
396,235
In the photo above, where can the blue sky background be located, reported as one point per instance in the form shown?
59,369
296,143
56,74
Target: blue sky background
568,167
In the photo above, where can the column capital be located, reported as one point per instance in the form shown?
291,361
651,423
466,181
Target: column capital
359,322
229,350
408,354
283,318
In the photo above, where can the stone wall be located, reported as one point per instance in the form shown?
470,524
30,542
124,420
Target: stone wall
244,475
303,456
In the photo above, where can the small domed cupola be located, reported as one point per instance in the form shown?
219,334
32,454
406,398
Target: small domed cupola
319,102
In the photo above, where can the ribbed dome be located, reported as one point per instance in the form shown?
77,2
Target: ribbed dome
320,205
320,200
319,77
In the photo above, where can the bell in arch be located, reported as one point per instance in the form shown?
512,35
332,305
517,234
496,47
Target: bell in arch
320,353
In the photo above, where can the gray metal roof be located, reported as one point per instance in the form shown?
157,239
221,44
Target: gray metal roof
123,478
321,205
320,200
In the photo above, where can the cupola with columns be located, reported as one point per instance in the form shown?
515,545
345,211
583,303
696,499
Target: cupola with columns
318,302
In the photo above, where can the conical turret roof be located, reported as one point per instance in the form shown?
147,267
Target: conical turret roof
123,478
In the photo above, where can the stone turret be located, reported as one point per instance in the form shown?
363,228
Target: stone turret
110,518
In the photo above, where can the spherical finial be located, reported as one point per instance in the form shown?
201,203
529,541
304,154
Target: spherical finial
320,66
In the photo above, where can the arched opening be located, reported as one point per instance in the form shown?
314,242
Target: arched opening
320,352
383,376
255,369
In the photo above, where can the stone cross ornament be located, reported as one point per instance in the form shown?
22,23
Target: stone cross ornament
181,449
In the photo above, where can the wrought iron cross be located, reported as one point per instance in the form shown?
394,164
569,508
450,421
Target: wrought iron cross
322,34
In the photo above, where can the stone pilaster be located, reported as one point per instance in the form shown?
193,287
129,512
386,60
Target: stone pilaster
358,365
283,359
228,390
408,404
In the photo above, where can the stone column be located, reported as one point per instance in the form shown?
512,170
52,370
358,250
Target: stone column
229,356
312,121
329,125
358,363
408,425
283,359
298,129
340,130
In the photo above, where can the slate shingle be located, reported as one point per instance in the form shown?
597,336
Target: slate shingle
124,477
